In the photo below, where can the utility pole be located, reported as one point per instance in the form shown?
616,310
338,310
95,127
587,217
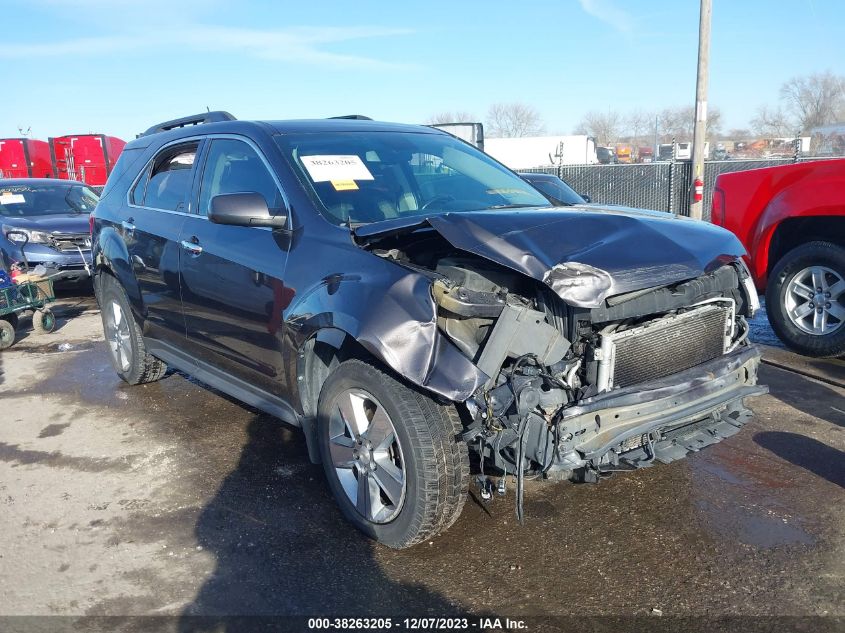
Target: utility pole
697,192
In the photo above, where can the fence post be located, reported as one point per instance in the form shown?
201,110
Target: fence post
797,145
671,201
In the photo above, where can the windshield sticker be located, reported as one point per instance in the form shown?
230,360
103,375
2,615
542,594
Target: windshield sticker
344,185
336,168
11,198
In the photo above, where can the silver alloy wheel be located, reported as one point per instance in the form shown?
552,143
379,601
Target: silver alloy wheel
366,455
118,335
814,300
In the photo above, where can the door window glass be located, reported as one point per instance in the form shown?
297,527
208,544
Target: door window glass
233,166
170,178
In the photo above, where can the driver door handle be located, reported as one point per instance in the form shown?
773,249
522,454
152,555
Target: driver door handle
191,246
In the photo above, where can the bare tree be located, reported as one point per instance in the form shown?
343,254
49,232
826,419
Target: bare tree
806,102
638,126
447,116
513,119
679,123
814,100
772,122
738,133
605,126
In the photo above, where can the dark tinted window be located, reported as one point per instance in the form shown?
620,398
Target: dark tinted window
170,178
140,187
556,189
233,166
125,162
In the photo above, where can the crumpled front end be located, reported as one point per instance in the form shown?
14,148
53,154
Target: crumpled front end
585,379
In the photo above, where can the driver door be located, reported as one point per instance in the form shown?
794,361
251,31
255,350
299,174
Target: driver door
233,293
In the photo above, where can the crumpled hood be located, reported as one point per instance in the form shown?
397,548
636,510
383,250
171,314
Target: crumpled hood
58,223
636,248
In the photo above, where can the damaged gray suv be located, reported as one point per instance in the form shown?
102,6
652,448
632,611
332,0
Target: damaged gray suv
407,301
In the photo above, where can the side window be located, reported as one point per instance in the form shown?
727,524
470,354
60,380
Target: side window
233,166
170,178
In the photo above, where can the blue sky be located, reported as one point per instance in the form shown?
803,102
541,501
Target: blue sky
116,67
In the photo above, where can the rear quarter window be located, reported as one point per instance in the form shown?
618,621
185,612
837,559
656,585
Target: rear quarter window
126,166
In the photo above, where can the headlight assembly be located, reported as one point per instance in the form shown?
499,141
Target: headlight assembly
13,234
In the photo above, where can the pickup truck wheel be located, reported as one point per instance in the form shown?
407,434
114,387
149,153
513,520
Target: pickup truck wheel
123,337
392,455
805,299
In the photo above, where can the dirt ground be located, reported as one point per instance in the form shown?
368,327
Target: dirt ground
171,499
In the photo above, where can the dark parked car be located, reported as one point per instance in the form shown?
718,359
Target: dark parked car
54,215
405,299
558,192
606,156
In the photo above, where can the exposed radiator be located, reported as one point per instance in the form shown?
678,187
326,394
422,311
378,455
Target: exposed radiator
664,347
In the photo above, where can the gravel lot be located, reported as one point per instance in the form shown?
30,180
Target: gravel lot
172,499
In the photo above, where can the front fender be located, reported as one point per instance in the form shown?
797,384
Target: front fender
806,198
391,314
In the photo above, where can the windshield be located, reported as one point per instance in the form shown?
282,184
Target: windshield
22,201
556,189
363,177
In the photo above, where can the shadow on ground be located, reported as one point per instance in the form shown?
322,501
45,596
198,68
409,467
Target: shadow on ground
814,398
283,548
812,455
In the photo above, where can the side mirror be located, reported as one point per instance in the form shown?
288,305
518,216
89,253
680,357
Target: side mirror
245,209
587,198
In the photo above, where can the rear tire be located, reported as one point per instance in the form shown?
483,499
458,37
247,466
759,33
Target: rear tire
397,431
793,306
43,321
123,336
7,334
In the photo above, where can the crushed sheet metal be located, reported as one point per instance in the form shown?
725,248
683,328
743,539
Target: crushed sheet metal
631,246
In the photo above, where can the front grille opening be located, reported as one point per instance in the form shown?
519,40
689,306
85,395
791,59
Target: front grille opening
70,242
668,346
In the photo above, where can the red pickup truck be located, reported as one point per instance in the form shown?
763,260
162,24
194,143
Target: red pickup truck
791,220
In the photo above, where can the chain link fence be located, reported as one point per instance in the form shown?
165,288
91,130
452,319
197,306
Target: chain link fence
661,186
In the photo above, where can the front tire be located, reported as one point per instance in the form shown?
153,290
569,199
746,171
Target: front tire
805,299
392,455
123,337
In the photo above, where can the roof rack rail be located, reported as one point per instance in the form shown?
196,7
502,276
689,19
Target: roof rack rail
357,117
185,121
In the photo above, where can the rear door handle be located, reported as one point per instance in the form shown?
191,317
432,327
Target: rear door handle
191,246
128,226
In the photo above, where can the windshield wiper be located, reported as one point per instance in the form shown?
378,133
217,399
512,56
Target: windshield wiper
512,206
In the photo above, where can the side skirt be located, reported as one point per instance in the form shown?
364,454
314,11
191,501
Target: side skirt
225,382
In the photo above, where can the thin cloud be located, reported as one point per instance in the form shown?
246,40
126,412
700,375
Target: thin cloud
607,12
297,44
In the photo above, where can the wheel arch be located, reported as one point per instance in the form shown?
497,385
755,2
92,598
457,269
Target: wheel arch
793,232
800,212
112,258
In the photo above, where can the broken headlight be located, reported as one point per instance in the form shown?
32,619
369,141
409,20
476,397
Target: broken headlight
750,290
579,284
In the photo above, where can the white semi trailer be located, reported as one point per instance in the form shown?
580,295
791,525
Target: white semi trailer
529,152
